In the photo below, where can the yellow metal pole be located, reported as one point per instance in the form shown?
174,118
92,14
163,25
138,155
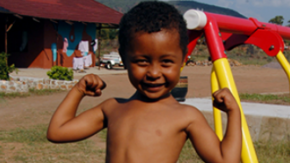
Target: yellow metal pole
216,112
225,79
285,64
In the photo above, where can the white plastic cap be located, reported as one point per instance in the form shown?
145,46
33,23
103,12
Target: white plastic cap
195,19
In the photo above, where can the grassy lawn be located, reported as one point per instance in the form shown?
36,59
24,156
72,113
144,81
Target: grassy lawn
267,152
31,92
283,99
30,146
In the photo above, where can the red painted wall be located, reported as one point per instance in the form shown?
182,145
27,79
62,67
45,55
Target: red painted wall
40,36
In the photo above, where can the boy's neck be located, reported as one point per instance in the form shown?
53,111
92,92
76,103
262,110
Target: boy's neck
139,96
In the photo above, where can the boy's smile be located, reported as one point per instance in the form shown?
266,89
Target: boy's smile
154,61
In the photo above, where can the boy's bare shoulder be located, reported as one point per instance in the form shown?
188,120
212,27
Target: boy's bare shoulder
113,100
190,113
189,109
112,103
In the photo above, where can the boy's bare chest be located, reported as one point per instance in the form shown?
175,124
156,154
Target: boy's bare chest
146,121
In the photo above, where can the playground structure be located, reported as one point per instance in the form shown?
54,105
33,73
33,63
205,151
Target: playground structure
224,33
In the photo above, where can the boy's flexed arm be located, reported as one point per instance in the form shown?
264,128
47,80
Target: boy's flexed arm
206,142
65,126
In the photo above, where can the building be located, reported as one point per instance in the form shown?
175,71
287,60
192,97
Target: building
44,33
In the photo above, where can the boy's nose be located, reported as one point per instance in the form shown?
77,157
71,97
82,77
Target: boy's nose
153,72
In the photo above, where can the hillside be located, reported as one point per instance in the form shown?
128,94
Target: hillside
124,5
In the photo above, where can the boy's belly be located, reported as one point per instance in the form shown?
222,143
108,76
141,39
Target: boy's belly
139,132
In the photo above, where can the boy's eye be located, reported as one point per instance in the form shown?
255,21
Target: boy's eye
142,62
167,62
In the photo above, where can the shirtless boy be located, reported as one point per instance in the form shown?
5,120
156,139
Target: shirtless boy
150,126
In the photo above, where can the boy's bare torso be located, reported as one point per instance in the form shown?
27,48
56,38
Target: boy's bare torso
145,132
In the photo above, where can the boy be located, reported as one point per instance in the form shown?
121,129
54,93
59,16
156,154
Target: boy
151,126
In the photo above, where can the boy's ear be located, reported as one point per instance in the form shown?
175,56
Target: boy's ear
122,54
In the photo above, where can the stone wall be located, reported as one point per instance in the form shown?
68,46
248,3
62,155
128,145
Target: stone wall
23,84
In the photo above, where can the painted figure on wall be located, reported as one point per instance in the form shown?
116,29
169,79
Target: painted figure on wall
65,45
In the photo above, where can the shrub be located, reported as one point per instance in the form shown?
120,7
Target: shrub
60,73
4,68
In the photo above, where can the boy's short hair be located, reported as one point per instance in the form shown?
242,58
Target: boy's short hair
151,16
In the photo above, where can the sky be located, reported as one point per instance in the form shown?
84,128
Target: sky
263,10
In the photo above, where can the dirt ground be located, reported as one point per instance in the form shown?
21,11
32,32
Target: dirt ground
23,112
33,110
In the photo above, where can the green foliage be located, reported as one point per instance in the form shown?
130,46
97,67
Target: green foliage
108,34
113,34
4,68
288,25
277,20
60,73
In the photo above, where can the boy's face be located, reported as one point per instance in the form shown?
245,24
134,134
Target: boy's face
154,61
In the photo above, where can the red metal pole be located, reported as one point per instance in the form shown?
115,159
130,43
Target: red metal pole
213,40
236,25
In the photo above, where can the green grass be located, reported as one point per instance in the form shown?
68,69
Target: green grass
13,95
44,91
22,135
273,152
266,98
267,152
30,145
29,93
188,154
103,135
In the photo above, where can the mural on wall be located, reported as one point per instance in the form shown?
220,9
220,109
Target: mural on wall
78,40
54,51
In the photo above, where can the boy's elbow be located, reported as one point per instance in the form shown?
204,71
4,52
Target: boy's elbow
52,137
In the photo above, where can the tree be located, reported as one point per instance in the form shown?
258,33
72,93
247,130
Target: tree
108,34
113,34
277,20
288,25
4,68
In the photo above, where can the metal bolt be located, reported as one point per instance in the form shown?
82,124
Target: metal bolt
271,47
